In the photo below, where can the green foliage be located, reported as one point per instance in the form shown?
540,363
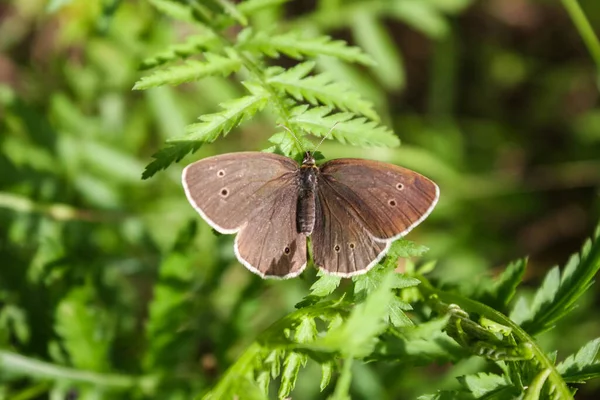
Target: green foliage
284,89
111,288
558,293
583,365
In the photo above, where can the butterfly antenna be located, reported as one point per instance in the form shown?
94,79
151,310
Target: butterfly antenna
293,135
326,136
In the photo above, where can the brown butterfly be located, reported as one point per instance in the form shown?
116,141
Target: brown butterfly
352,209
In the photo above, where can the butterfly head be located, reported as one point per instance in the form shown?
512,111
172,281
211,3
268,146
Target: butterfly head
308,160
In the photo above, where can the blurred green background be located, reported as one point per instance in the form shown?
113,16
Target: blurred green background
496,101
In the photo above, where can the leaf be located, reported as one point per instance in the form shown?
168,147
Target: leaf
356,336
291,367
173,9
421,16
483,384
297,45
193,45
325,285
212,125
85,330
326,373
581,366
321,88
370,33
233,11
558,294
289,145
348,129
396,314
191,70
504,288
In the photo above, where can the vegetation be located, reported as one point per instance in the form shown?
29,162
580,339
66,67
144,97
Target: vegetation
111,286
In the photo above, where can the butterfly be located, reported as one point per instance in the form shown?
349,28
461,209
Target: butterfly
351,209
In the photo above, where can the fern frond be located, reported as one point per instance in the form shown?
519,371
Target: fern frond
193,45
356,131
321,88
558,294
212,125
295,45
234,112
191,70
581,366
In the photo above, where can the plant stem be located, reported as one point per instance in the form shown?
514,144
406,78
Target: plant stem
428,291
21,365
585,29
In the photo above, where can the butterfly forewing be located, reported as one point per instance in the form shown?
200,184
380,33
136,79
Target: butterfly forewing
226,189
387,200
254,194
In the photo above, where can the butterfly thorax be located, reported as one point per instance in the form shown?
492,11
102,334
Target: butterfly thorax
305,215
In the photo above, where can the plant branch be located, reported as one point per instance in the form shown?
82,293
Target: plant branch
585,29
21,365
429,292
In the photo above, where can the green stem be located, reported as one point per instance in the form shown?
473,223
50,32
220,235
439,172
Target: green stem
21,365
428,291
342,388
585,29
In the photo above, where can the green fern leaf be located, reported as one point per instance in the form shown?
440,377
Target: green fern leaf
297,46
348,129
581,366
289,374
322,89
191,70
558,294
193,45
234,113
325,285
170,154
289,145
212,125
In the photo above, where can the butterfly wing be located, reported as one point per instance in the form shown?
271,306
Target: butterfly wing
362,207
389,201
253,194
341,244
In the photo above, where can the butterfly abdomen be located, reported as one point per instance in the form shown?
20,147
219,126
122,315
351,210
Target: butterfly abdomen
306,210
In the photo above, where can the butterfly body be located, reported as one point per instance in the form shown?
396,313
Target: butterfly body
351,208
307,195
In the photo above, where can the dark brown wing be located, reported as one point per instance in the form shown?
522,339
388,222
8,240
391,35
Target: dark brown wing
388,200
254,194
341,244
